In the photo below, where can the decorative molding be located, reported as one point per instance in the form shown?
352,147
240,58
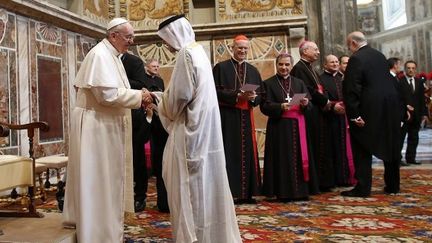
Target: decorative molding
48,13
3,23
249,9
48,33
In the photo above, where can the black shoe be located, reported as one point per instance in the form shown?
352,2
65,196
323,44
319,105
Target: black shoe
403,163
354,193
245,201
139,205
390,191
164,210
414,162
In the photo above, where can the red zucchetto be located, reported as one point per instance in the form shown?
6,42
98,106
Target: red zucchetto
240,38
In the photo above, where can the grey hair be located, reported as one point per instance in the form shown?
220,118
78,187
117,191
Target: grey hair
150,60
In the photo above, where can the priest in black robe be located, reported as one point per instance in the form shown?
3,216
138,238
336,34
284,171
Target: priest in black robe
154,83
286,168
236,108
338,137
304,71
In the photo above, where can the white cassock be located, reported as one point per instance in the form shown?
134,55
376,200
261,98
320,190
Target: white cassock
100,157
200,201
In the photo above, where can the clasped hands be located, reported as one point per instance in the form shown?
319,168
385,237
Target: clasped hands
286,106
147,102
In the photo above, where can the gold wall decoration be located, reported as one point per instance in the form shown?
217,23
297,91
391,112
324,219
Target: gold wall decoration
152,9
234,10
97,8
158,51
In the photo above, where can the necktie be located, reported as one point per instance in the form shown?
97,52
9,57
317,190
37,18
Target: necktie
412,84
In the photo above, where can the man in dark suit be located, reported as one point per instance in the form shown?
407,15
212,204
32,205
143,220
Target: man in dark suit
370,97
413,92
394,64
135,72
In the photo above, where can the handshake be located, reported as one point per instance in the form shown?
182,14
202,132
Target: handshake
147,102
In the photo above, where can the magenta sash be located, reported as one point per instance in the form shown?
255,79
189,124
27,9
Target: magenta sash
351,178
294,113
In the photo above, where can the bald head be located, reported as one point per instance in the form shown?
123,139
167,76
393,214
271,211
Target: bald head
355,40
309,51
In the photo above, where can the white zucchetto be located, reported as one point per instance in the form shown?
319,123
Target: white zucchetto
116,21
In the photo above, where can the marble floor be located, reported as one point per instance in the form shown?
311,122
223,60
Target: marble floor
424,149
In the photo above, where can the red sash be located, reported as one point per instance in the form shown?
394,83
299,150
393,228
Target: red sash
351,178
295,113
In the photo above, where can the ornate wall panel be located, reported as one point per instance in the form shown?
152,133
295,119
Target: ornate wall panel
146,14
9,109
401,47
47,59
100,10
235,10
49,87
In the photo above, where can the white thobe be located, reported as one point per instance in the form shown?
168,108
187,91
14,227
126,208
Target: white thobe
199,198
100,148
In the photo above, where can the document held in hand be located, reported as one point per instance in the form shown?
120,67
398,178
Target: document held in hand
249,87
295,100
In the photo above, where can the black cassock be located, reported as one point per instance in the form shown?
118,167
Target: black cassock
283,173
337,127
315,121
237,127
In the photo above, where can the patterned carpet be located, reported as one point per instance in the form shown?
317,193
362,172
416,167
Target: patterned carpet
405,217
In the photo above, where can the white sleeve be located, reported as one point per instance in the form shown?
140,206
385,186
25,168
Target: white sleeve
117,97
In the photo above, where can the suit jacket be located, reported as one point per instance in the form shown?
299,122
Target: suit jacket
134,67
403,103
415,99
369,92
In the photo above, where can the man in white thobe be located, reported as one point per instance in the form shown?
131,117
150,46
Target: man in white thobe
199,198
100,141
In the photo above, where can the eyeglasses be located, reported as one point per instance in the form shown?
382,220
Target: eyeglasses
126,37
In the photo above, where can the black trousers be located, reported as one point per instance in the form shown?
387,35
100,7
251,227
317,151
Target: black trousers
140,172
412,129
363,170
158,141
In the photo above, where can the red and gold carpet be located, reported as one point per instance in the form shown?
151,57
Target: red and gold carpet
403,217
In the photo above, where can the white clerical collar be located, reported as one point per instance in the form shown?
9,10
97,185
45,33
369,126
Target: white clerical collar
392,73
332,74
239,62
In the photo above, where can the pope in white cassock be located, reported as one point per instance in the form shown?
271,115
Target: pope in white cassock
100,160
199,198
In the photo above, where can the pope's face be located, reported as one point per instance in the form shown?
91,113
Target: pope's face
284,66
240,50
123,38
